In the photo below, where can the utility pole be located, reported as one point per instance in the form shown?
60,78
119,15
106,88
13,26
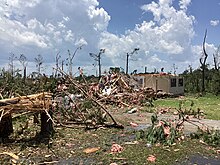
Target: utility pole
97,57
127,57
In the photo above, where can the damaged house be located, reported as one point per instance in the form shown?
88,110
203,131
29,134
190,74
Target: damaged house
168,83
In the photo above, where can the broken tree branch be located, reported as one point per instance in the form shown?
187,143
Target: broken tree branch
91,98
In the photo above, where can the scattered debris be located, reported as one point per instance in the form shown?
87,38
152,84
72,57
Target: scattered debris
113,164
133,110
133,124
132,143
151,158
116,148
149,145
91,150
14,157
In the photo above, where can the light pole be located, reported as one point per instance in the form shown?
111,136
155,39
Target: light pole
97,57
127,57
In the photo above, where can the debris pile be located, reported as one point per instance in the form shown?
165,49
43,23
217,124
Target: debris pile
86,103
123,91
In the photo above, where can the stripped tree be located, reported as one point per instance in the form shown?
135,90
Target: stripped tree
216,58
70,59
39,62
12,59
23,61
203,62
57,62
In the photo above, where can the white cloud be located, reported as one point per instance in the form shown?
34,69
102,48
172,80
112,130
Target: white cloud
100,18
214,22
40,27
169,36
45,27
18,34
184,4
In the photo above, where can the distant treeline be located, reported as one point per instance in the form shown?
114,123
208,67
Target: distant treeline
193,80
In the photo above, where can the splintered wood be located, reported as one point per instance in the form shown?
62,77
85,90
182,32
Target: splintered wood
35,102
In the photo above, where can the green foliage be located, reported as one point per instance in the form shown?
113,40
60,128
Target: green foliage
189,109
193,80
211,137
16,85
161,131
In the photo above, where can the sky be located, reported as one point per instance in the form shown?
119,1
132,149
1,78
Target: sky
168,33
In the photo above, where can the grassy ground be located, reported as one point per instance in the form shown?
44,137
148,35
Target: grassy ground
209,104
68,144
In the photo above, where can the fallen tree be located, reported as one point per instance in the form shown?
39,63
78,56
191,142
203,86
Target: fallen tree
35,103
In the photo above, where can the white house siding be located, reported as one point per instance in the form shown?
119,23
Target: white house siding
162,82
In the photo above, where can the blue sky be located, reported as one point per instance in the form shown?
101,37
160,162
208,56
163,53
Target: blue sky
126,13
205,11
166,31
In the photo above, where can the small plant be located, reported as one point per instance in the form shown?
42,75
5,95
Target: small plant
211,137
186,112
161,131
168,131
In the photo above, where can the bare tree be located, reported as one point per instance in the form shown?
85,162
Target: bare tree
39,62
23,61
12,58
127,57
203,62
70,59
97,57
174,69
216,57
57,62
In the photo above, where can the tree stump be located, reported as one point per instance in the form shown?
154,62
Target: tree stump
6,127
46,124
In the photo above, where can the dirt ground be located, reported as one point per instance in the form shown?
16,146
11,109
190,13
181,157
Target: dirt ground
143,120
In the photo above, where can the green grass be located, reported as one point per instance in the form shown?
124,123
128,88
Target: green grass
68,145
209,104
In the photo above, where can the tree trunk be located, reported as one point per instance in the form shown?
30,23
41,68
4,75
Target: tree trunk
203,79
203,63
25,74
6,127
127,63
46,124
